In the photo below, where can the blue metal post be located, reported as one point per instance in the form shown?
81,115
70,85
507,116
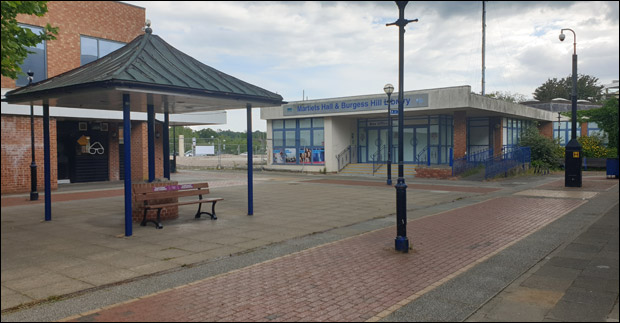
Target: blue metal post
46,161
127,161
166,141
150,123
250,166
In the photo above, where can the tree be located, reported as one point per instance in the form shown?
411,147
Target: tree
587,89
545,151
507,96
606,117
15,39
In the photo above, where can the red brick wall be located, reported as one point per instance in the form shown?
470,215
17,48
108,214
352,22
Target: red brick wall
113,153
102,19
495,123
460,134
17,156
584,129
426,172
167,213
140,152
546,129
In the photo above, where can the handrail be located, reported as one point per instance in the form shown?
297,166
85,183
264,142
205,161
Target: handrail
376,163
344,158
418,158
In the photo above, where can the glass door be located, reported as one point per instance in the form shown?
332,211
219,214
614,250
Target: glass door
421,144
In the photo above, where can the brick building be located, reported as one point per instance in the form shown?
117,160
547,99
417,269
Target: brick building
85,144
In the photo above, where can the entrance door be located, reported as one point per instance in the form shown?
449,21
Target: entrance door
421,143
377,145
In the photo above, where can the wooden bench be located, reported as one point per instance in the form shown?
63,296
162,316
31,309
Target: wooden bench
151,199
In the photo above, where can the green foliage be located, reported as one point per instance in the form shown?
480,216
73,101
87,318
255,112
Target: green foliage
546,152
15,39
606,118
592,146
587,89
507,96
231,139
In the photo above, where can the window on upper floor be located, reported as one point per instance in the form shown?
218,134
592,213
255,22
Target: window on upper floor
35,61
92,48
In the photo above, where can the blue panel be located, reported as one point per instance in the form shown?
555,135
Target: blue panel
46,162
127,161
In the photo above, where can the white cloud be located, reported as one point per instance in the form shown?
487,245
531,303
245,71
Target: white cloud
333,49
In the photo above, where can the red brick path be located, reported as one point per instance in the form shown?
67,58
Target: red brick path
429,187
352,279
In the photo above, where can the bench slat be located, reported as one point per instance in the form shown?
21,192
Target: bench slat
209,200
169,194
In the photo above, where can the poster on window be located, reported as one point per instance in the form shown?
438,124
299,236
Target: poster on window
278,156
291,155
305,156
318,156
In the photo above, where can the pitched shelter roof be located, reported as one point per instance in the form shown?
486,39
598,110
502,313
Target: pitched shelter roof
153,72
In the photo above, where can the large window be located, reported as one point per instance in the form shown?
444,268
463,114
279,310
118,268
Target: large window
35,61
512,131
92,49
299,141
562,130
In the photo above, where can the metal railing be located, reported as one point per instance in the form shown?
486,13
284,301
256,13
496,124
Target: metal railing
344,158
513,159
376,159
471,161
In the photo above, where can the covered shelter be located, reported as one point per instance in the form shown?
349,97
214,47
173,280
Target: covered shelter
146,75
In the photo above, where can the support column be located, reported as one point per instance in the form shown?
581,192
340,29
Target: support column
166,144
250,165
151,140
46,162
127,161
460,134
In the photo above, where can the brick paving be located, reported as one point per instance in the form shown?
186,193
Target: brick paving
429,187
357,279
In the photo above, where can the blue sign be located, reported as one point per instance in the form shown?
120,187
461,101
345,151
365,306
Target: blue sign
353,105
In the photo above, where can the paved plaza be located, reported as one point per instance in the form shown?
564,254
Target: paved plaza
319,248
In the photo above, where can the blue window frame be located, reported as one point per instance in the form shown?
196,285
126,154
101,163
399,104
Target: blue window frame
512,131
562,130
299,141
36,60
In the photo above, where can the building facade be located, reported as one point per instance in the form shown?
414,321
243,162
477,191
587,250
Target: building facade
439,124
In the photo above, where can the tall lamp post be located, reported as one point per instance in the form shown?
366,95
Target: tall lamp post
34,195
572,159
389,89
401,242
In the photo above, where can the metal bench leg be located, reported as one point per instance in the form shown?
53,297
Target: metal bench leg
212,214
157,223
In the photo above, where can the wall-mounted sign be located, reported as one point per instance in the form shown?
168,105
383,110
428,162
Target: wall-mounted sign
83,141
96,148
353,105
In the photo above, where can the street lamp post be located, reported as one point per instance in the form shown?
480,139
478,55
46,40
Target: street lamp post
401,241
572,168
389,89
34,195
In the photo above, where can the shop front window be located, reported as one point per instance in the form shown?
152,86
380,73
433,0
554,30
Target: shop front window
299,141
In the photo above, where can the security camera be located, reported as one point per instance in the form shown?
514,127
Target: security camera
562,36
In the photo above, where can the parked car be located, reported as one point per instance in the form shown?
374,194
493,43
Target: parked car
189,153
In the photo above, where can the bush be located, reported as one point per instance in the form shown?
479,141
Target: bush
546,152
593,147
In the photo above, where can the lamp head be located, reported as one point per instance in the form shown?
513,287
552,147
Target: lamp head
562,36
388,88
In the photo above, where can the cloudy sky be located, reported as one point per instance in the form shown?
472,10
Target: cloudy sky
336,49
